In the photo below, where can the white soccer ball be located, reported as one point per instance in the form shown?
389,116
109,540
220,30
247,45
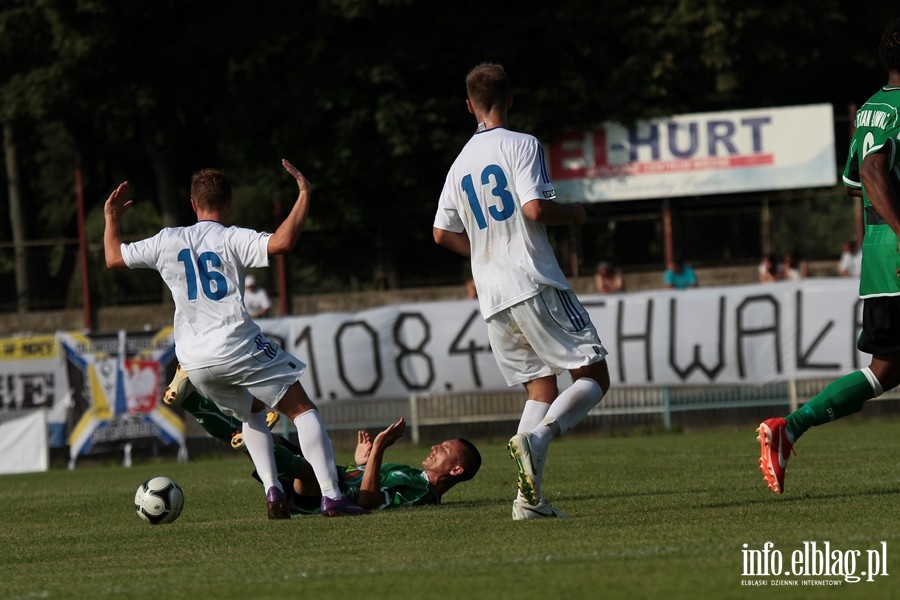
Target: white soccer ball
159,500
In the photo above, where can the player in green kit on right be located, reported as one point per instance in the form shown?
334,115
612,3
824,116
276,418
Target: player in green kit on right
874,155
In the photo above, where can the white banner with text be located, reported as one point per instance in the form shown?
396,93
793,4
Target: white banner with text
33,375
736,335
748,335
698,154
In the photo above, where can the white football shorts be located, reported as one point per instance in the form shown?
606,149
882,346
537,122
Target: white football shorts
265,373
546,334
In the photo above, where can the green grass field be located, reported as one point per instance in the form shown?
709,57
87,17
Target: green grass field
655,516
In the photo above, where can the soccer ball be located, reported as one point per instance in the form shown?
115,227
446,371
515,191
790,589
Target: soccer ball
159,500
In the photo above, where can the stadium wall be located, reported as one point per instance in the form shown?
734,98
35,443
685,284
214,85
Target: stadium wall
156,316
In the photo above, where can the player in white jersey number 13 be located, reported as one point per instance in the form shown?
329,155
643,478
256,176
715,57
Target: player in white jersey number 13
495,207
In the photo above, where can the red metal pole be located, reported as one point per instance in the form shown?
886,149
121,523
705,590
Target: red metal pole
668,237
86,308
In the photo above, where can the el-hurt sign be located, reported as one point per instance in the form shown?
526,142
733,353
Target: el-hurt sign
698,154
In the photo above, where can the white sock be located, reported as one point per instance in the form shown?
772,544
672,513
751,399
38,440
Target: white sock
258,441
318,452
568,410
873,381
532,415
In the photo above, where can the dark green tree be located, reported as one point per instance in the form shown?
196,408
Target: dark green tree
367,97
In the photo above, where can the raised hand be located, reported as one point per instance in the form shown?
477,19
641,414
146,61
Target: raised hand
302,182
391,434
363,448
115,208
117,204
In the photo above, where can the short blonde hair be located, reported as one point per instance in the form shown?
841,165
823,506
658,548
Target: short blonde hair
487,87
210,189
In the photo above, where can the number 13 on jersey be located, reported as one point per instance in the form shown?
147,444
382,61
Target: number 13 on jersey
492,174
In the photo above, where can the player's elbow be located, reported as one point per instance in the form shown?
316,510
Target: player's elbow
115,261
278,245
456,242
368,499
547,212
873,165
534,210
441,236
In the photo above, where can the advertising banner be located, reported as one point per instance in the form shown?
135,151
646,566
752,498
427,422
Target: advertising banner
735,335
23,441
32,375
698,154
747,335
116,384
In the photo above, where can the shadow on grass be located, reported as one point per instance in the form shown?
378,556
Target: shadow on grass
806,497
469,504
741,501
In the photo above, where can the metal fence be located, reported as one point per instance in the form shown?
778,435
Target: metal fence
656,404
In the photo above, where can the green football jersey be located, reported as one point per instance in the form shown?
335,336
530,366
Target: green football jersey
401,485
877,129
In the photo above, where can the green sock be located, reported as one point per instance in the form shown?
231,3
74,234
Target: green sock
287,463
192,402
840,398
210,417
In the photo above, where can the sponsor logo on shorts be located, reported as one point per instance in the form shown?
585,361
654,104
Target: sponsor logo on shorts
266,347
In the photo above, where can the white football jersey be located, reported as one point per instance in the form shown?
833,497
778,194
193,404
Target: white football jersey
203,265
497,172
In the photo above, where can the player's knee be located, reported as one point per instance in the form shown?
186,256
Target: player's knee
887,373
598,371
543,389
295,402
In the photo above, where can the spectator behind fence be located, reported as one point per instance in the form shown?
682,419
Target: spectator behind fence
256,300
794,268
680,276
768,268
851,260
608,279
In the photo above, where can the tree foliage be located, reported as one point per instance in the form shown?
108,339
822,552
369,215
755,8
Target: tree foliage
366,96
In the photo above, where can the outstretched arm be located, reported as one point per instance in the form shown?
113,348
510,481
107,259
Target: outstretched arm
370,495
285,237
115,208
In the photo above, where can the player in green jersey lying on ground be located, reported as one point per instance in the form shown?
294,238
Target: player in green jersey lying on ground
370,482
